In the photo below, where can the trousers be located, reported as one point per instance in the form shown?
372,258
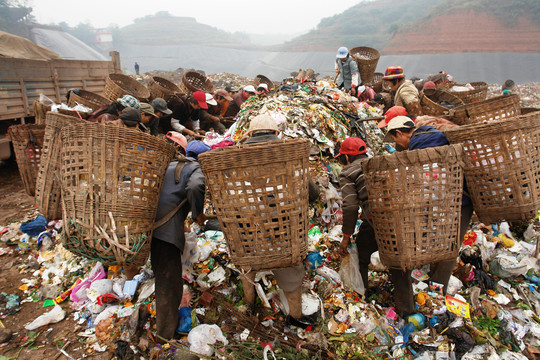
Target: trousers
167,266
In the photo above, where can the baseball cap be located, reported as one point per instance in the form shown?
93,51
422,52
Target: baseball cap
147,109
393,72
160,104
177,138
249,88
201,99
399,122
429,85
352,146
130,116
223,93
392,113
129,101
361,89
210,99
197,147
262,87
342,52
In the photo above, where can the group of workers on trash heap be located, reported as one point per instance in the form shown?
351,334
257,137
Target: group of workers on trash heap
190,116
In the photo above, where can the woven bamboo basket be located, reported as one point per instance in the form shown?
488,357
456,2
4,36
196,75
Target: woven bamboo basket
88,99
528,110
367,59
502,167
118,85
497,108
377,77
261,79
162,88
478,94
260,193
111,182
74,113
49,175
415,200
39,110
431,98
27,143
194,81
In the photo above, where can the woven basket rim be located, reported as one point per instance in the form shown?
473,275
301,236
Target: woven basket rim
202,77
127,80
512,124
376,54
160,81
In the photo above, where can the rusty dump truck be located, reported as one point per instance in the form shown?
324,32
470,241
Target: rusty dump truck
23,80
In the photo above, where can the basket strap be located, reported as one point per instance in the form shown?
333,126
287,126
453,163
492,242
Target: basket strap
168,217
31,139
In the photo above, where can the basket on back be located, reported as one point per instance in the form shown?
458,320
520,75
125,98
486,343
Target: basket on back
367,59
118,85
502,167
415,202
261,79
497,108
479,93
48,192
27,143
195,81
88,99
432,100
111,182
162,88
260,193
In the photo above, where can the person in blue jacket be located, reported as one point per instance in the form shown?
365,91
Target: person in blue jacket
403,132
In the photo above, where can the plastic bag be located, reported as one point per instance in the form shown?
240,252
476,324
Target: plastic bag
190,254
202,335
55,315
349,272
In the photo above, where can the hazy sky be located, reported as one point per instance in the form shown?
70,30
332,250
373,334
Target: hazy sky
257,17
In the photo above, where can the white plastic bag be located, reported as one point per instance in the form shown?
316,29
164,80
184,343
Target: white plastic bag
201,336
190,254
55,315
349,272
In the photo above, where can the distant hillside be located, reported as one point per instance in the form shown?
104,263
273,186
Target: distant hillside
472,26
165,29
369,23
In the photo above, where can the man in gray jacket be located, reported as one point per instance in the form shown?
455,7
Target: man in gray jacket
183,191
347,71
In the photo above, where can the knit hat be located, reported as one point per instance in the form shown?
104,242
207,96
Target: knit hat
197,147
129,101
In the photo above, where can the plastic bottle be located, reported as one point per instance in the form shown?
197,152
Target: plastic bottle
419,321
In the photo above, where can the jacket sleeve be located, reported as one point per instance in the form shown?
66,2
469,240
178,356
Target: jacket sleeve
339,80
351,202
195,190
175,124
355,75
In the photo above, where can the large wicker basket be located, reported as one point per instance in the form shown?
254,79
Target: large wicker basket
479,93
27,144
497,108
111,182
118,85
261,79
162,88
431,99
260,193
367,59
48,192
502,167
88,99
39,110
195,81
415,200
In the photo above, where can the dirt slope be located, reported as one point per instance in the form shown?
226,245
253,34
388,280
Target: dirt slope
466,32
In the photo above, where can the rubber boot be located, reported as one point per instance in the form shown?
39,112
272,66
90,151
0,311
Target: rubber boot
295,303
248,283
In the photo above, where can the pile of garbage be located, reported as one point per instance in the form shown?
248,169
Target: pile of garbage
491,309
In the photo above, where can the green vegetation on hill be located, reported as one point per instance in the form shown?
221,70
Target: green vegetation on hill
507,11
370,23
165,29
